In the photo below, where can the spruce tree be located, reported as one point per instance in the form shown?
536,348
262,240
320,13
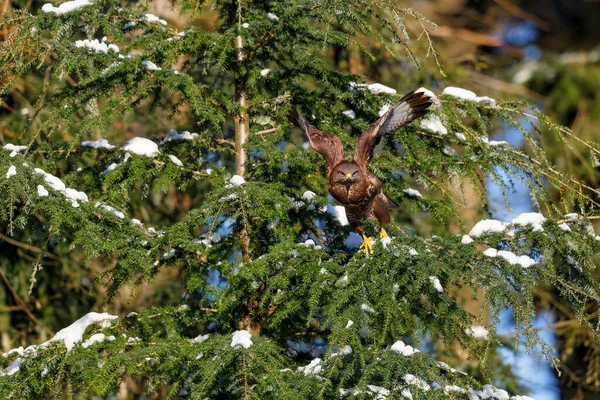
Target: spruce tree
272,299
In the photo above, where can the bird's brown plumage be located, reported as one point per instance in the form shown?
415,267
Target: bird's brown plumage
351,183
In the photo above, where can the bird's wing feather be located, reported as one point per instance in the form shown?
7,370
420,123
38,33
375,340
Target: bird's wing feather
325,143
410,107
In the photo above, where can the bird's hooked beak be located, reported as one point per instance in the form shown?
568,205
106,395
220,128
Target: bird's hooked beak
347,181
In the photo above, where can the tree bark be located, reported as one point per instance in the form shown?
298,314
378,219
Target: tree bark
242,127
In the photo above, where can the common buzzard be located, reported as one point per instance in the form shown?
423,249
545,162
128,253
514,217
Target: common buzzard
351,183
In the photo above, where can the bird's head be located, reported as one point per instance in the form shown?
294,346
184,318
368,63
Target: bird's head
346,174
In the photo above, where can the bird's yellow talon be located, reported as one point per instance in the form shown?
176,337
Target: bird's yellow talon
383,234
367,244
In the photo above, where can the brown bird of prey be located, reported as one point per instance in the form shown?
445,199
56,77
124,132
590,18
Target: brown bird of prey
351,183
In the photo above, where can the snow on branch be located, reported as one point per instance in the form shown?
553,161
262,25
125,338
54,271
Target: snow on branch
65,7
69,336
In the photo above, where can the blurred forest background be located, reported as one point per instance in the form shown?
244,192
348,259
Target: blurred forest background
545,51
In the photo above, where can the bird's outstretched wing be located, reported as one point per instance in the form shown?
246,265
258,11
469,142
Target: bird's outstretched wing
326,144
410,107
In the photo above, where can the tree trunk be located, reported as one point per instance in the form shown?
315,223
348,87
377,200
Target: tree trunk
242,128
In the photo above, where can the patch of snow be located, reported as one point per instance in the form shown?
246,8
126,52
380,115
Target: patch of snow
175,160
460,93
461,136
445,366
42,192
54,182
350,114
416,381
565,227
454,388
151,18
273,17
520,397
75,196
308,196
466,239
375,88
428,93
339,212
366,308
65,7
486,99
19,350
174,135
14,150
237,180
384,109
96,338
412,192
404,349
265,72
344,351
413,252
24,111
478,332
380,393
490,252
434,124
297,205
111,210
313,368
523,261
12,171
449,151
71,194
468,95
344,280
230,197
151,66
530,219
13,368
245,25
309,243
74,332
386,241
241,338
492,392
202,338
98,144
110,168
349,324
131,314
572,216
141,146
488,226
436,283
498,143
96,45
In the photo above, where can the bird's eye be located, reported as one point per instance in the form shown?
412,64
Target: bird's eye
354,173
340,172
